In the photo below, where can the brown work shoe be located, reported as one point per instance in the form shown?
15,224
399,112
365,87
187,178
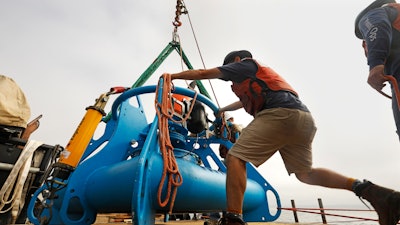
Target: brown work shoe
232,219
386,202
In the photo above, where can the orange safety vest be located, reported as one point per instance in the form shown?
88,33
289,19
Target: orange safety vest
396,22
253,90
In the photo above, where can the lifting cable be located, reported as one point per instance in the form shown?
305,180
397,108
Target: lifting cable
165,112
181,9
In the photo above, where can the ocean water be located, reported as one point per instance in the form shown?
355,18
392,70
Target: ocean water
336,217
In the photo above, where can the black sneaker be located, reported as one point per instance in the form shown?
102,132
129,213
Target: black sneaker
232,219
386,202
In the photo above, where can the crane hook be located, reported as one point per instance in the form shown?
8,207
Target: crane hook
180,9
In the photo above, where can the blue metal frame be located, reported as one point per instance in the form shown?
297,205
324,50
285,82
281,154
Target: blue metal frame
121,170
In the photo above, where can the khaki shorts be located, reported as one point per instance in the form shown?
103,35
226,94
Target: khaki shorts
289,131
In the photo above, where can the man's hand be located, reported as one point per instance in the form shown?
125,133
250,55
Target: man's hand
166,74
219,113
377,78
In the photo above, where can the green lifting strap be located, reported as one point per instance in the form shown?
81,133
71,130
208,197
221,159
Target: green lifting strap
163,55
153,67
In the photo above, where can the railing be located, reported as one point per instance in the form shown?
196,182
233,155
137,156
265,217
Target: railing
324,212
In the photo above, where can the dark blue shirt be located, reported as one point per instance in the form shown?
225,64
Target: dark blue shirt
239,71
382,39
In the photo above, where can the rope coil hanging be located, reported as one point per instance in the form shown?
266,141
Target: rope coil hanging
170,174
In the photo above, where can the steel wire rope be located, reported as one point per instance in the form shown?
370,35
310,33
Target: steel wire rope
198,49
181,5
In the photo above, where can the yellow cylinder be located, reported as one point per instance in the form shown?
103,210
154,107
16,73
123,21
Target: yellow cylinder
80,139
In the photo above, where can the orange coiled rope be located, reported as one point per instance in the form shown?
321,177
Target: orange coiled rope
392,80
171,174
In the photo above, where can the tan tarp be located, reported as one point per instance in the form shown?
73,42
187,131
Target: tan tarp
14,107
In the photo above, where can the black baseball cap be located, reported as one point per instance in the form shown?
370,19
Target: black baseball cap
232,55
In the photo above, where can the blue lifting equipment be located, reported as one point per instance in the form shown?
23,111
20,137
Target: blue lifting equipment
120,171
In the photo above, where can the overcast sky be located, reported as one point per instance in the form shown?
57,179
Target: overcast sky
65,53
